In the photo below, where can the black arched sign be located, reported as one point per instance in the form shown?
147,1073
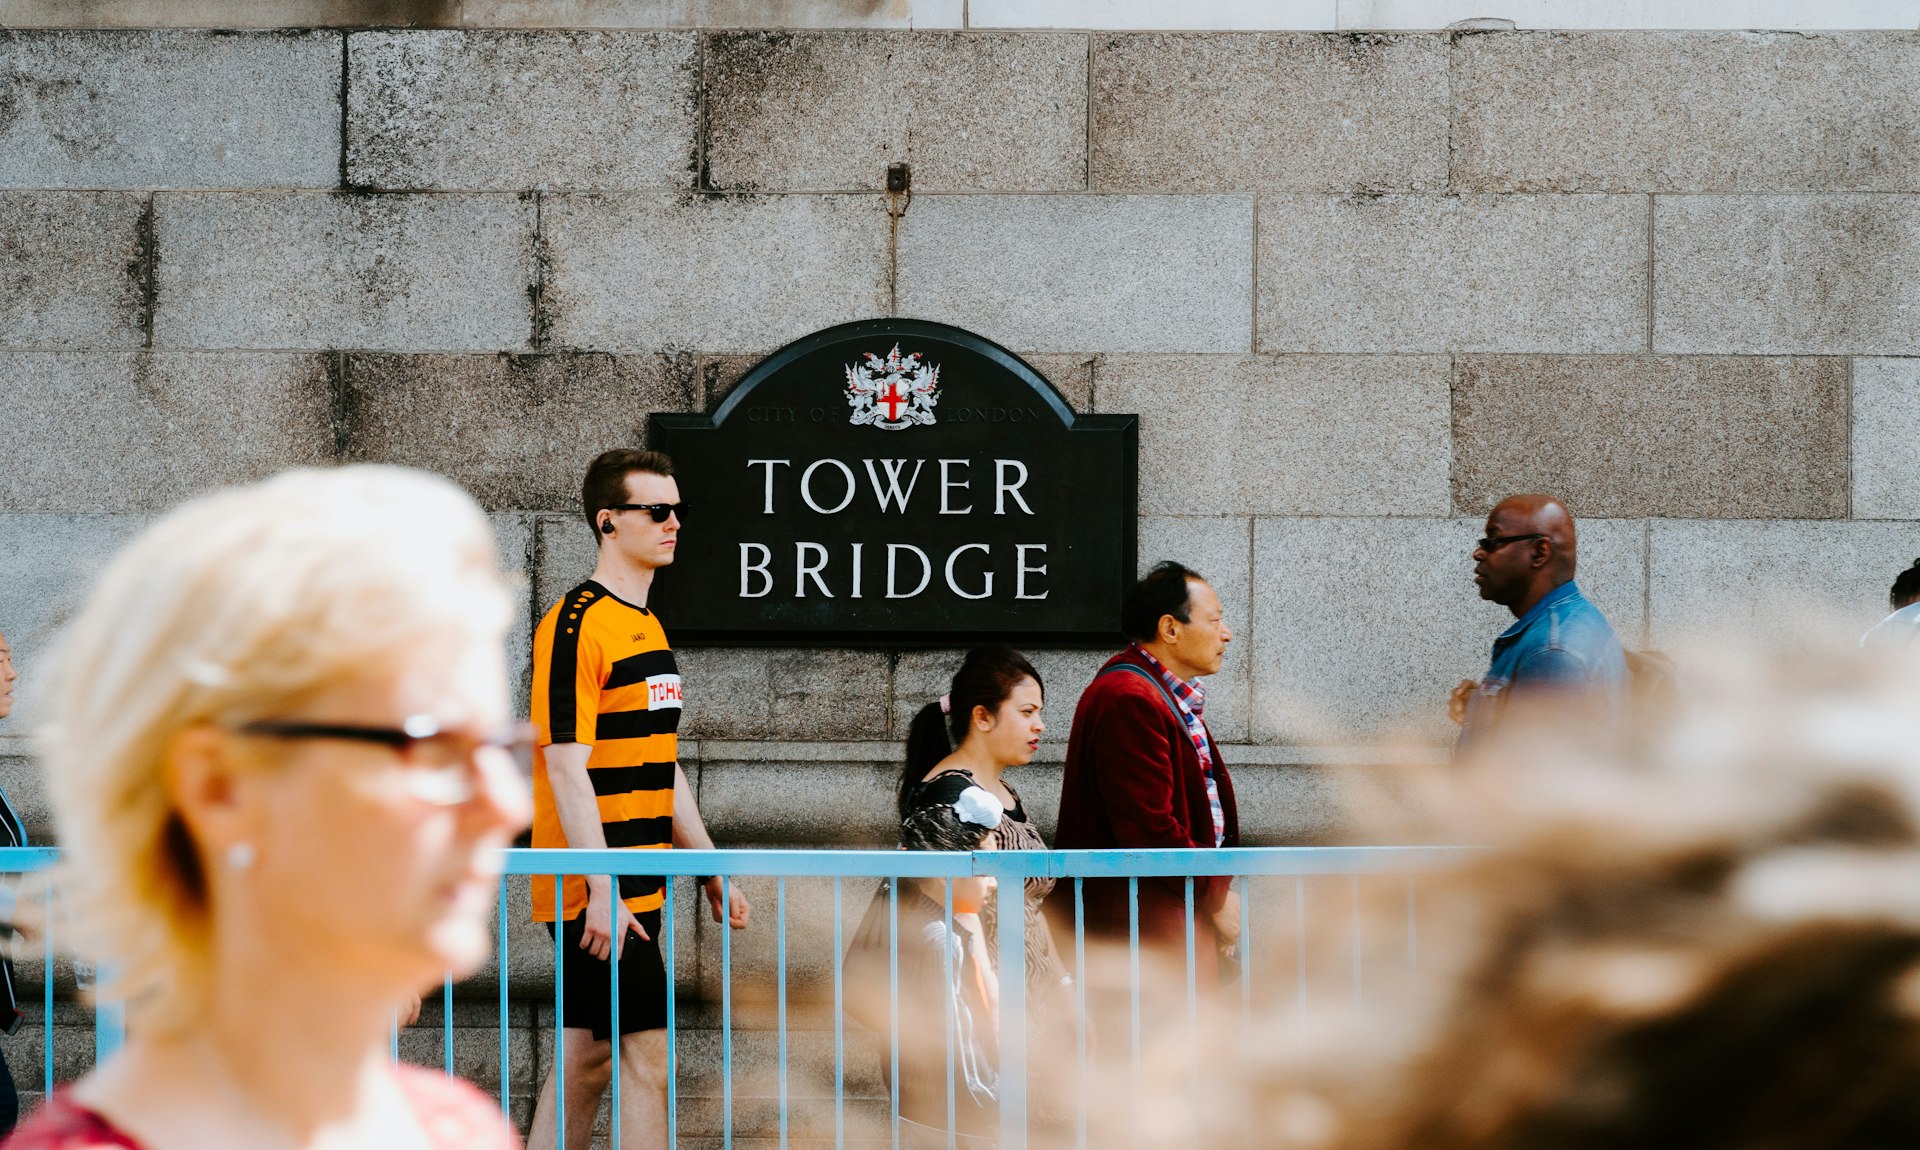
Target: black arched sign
898,481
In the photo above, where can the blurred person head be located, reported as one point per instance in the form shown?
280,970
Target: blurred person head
1175,616
8,676
1714,943
632,503
1906,588
1528,550
990,712
278,747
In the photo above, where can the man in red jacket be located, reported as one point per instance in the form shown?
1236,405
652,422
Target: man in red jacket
1144,772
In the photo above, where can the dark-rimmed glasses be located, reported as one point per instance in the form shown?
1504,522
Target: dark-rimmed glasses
440,763
1493,543
658,511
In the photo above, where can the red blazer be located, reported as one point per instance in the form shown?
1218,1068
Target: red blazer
1133,780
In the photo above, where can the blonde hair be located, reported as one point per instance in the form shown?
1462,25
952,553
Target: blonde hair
227,609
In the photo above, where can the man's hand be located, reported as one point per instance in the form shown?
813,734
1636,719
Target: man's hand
599,938
1457,702
410,1014
1226,920
737,911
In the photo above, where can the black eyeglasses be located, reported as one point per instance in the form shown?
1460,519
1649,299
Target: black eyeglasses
440,763
659,511
1494,543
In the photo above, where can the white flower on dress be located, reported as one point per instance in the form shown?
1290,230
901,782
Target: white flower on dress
978,807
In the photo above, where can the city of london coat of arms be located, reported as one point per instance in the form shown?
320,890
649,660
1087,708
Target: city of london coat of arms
892,393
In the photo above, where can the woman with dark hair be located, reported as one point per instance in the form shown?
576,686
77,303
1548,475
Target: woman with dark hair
953,796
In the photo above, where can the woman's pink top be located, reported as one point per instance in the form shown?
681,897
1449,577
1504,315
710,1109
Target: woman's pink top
454,1115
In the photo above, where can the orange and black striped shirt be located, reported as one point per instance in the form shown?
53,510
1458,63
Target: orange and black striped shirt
604,676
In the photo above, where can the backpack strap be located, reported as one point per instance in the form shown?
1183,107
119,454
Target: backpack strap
1150,677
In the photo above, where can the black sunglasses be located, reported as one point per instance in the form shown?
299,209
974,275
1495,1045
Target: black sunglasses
1496,542
659,511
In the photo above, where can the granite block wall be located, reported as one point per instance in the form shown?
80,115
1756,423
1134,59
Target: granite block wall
1357,286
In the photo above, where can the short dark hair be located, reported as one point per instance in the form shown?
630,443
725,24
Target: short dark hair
1906,587
606,483
1160,592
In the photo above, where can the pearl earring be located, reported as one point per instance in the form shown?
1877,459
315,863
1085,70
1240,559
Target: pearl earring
240,856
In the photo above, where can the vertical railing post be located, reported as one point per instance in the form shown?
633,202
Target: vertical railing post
1012,896
109,1021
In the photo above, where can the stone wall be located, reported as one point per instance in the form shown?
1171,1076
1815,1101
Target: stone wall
1356,286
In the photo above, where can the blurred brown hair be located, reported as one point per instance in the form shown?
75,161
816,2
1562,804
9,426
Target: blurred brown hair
1710,941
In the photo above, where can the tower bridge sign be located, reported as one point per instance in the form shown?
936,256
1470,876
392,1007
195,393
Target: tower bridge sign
903,482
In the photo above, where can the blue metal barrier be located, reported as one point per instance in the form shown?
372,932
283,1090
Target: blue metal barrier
1010,869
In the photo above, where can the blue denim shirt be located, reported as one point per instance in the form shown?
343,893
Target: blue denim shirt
1563,641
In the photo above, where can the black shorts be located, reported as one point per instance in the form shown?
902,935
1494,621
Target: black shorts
587,993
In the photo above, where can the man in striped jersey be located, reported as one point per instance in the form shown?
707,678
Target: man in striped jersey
606,702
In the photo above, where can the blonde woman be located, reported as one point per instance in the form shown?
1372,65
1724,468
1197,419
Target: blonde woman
281,768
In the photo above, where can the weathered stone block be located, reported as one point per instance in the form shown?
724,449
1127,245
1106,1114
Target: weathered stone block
72,270
830,111
688,13
740,273
564,554
1786,275
172,109
1653,435
841,800
319,270
1325,435
1118,273
734,693
1346,651
1771,582
516,431
140,431
47,565
511,110
513,542
1070,375
1467,273
1289,111
1710,112
1886,452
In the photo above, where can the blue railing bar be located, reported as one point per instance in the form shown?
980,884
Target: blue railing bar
673,993
46,1014
613,1004
726,1010
1359,972
1133,965
1013,1010
21,860
1245,947
1300,935
109,1022
446,1017
1413,929
393,1037
946,966
780,927
1193,985
506,1077
1080,1009
559,1015
1172,863
893,1009
839,1030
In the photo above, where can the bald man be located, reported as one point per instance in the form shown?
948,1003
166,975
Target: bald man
1560,645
